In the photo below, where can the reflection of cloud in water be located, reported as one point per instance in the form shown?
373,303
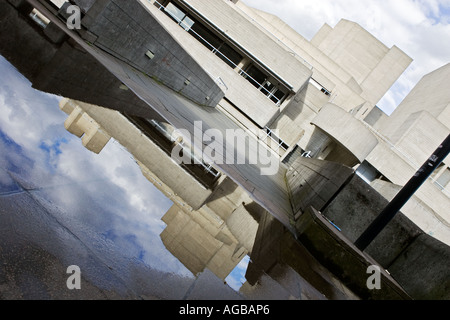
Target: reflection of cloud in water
88,203
97,195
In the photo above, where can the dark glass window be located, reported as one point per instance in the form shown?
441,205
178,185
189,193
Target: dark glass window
229,55
205,37
255,76
277,96
224,51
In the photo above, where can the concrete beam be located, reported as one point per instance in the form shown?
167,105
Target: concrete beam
341,126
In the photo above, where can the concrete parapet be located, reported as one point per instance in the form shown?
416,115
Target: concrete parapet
417,261
342,258
354,209
313,182
341,126
277,254
93,137
424,269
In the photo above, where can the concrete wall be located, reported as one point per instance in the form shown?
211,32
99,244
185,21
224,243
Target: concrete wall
375,70
352,204
428,96
267,52
374,117
325,71
423,270
254,104
62,69
127,31
340,66
417,261
93,137
341,126
398,169
151,156
342,258
314,183
23,42
278,256
84,5
201,242
355,208
243,227
298,114
417,211
419,136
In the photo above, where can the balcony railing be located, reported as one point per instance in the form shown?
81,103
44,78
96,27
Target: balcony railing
188,28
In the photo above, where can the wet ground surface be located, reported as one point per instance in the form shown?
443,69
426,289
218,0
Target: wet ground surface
61,205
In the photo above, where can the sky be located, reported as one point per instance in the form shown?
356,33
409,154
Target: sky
420,28
104,195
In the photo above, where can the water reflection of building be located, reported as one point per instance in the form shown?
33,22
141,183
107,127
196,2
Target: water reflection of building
315,93
209,225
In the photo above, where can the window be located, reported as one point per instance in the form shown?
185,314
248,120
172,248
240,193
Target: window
224,51
277,96
39,18
264,84
444,179
276,139
187,23
319,86
162,135
229,55
179,16
174,12
254,76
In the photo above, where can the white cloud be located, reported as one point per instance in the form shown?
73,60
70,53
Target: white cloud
421,28
97,195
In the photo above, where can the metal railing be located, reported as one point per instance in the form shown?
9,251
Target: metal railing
274,137
188,29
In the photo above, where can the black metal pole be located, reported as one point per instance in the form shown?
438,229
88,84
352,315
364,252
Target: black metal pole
404,195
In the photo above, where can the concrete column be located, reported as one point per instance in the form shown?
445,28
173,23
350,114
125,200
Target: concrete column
71,123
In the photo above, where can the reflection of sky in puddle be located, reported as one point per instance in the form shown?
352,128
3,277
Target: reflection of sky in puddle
103,199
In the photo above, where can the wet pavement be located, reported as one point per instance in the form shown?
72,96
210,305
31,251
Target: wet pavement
61,205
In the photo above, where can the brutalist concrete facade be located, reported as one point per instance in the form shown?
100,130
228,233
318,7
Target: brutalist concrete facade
274,81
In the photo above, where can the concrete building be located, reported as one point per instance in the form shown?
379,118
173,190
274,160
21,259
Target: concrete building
328,90
406,140
165,64
209,226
